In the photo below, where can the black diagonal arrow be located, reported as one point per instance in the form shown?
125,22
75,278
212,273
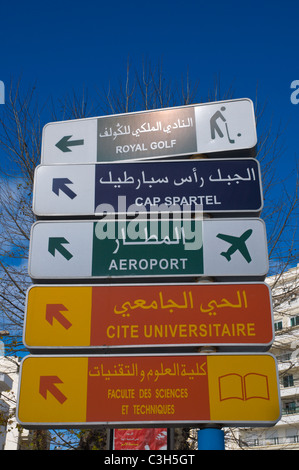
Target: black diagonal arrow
65,143
60,184
56,243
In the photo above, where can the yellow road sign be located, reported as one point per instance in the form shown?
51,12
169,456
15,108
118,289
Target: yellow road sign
88,317
175,389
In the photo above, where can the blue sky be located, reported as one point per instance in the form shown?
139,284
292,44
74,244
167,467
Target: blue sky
61,46
65,45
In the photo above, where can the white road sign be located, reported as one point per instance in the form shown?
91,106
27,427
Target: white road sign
231,249
217,186
225,127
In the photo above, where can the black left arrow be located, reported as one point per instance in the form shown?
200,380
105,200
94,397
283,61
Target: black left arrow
60,184
65,143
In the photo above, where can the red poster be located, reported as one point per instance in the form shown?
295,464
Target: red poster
140,439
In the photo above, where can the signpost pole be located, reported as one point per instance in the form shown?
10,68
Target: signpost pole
210,439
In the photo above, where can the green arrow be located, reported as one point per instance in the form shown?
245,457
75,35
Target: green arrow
55,243
65,143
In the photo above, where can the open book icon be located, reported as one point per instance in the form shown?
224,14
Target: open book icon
236,386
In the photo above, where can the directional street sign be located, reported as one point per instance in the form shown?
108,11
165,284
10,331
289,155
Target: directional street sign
223,127
173,390
222,249
114,213
217,187
88,317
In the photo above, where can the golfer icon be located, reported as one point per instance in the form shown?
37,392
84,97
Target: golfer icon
216,129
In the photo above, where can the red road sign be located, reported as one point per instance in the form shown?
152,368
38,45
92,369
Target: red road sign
174,389
108,316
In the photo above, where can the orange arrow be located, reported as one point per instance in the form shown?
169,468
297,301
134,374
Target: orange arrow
47,384
54,311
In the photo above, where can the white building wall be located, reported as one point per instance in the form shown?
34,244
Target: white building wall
285,434
10,436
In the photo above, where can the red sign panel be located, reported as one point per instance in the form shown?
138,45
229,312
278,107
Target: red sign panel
107,316
182,314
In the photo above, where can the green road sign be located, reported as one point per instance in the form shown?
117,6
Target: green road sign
218,248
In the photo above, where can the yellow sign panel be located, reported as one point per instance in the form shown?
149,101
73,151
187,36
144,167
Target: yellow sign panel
84,391
53,390
47,317
241,387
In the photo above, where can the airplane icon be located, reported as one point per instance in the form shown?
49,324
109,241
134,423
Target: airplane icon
237,243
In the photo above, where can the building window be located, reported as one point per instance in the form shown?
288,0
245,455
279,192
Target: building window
288,381
274,440
284,357
290,407
295,321
278,325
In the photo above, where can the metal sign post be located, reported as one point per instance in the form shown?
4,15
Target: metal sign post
210,438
